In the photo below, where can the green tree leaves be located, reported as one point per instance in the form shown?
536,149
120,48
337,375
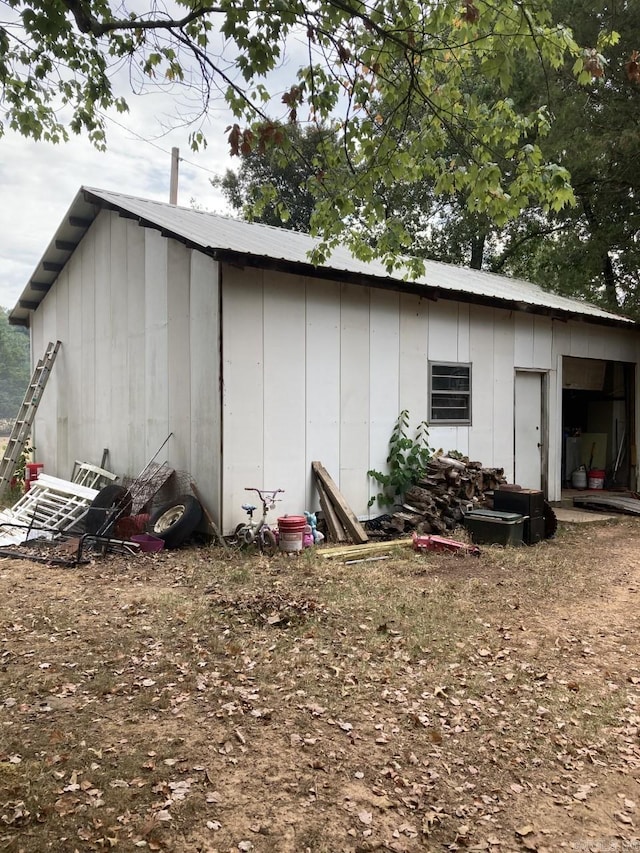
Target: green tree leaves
14,374
590,249
272,183
412,92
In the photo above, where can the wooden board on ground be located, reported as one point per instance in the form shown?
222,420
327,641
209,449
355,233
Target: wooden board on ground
627,505
363,550
352,526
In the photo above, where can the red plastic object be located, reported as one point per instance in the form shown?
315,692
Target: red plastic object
130,525
439,543
31,473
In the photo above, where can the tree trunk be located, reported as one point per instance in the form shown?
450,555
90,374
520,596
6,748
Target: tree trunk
477,249
608,272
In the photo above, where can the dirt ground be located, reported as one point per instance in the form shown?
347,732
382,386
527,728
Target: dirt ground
186,701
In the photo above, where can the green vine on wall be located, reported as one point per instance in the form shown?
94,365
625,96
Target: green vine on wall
407,461
20,471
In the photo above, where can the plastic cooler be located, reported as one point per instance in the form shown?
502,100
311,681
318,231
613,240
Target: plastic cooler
490,527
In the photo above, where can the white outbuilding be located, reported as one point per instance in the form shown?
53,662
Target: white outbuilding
222,333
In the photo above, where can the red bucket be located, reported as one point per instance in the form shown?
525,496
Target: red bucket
596,479
291,532
31,473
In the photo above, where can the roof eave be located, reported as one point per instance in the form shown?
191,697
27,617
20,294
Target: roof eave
74,225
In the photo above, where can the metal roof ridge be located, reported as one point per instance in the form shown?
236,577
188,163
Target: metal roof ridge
182,207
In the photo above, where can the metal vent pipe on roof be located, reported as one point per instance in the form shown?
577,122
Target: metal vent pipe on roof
173,186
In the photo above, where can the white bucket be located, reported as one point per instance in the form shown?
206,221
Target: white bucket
579,478
596,479
291,532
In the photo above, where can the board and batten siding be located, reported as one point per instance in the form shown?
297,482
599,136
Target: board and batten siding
317,369
321,369
311,369
137,315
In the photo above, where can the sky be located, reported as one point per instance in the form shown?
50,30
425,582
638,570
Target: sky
38,181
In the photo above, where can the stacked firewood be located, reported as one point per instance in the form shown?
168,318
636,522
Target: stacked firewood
438,500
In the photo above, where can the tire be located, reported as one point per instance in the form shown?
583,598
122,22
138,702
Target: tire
110,504
235,538
174,522
247,536
268,543
550,521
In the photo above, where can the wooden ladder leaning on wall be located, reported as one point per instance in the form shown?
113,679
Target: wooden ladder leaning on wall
22,425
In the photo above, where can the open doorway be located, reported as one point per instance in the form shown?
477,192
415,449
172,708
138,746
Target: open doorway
598,419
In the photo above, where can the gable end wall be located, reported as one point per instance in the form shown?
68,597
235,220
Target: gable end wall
137,315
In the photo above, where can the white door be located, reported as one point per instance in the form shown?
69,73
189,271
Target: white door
529,446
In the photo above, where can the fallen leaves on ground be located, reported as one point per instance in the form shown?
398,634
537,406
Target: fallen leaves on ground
184,701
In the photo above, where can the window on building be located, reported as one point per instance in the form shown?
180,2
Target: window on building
449,393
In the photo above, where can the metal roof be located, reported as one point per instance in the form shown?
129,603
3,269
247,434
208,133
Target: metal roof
264,245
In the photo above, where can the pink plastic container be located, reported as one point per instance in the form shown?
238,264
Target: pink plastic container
147,542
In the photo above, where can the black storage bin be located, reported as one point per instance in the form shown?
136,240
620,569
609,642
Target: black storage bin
525,501
534,530
528,502
489,527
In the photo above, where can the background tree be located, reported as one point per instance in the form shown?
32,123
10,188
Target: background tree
14,371
59,58
588,250
271,184
593,248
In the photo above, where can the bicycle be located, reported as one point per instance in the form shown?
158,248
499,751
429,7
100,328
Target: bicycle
259,533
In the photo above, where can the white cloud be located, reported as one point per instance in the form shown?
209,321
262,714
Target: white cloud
40,180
